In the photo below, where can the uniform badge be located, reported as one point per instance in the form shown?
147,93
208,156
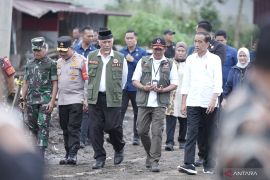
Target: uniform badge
115,61
72,78
93,62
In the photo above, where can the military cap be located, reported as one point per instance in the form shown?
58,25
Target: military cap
104,33
63,43
38,43
158,43
168,31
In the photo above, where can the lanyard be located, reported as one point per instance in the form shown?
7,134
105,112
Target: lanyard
155,72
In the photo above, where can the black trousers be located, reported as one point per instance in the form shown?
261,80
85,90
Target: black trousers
170,129
130,95
106,119
194,116
70,122
201,133
85,129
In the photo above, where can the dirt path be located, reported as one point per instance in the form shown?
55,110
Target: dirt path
132,167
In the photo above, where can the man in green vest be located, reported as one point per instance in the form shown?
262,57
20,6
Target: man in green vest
107,70
155,76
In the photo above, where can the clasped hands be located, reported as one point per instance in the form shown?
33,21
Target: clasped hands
152,87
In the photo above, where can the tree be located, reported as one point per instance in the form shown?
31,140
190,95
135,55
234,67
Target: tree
237,22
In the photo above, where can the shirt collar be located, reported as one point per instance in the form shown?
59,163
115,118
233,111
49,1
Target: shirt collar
89,47
206,55
135,49
111,54
163,58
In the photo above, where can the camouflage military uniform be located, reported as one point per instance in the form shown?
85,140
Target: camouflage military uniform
39,75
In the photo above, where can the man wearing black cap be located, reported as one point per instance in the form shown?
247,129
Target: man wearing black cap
107,71
72,96
168,37
154,77
39,92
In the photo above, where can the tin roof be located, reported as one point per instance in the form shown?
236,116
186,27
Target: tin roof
39,8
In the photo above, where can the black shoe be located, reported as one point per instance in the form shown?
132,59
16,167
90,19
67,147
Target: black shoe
64,161
147,163
199,162
136,141
108,140
118,156
187,168
82,145
182,145
169,147
98,165
155,167
72,159
208,170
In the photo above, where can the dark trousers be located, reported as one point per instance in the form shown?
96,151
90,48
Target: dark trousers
85,129
194,116
170,129
200,139
106,119
70,122
130,95
201,133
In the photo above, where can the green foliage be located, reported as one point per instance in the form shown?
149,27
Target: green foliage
148,26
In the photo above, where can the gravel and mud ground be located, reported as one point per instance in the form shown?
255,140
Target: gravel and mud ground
133,166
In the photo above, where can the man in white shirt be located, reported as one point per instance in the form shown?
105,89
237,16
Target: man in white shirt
154,78
107,71
202,84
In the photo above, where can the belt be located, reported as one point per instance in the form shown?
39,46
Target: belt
102,93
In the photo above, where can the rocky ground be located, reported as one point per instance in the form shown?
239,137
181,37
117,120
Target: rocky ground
131,168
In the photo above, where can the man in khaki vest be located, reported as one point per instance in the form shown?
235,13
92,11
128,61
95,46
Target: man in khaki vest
154,77
107,70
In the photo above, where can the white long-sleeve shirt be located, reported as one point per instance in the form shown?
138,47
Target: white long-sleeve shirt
105,60
202,78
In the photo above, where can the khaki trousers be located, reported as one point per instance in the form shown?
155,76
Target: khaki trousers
154,116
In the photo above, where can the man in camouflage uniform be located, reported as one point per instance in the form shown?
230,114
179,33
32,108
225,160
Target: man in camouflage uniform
245,131
39,91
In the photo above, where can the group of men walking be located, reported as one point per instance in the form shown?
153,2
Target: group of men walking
98,84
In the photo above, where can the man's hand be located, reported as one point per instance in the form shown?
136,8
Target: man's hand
211,106
129,58
50,107
158,89
184,109
148,87
85,106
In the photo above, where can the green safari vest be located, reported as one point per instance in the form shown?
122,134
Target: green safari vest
114,70
164,72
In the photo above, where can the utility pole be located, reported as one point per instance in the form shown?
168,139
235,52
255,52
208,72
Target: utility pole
5,26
